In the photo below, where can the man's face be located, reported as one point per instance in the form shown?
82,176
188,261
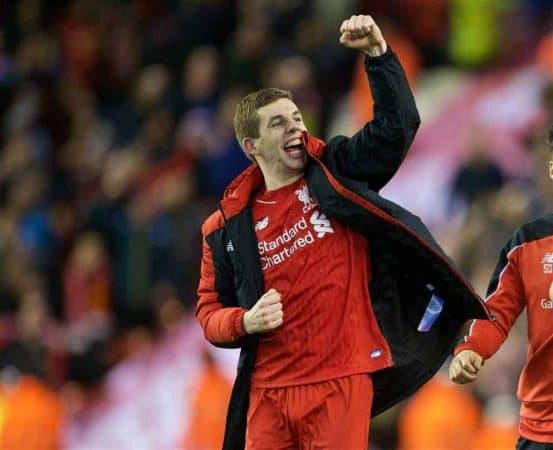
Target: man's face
278,149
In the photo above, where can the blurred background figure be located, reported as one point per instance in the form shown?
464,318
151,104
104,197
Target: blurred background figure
116,141
424,424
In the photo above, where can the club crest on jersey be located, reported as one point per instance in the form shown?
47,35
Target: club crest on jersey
305,198
261,224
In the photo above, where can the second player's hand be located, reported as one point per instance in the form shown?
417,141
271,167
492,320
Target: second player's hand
265,315
465,367
362,33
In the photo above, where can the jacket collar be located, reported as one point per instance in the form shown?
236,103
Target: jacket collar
238,193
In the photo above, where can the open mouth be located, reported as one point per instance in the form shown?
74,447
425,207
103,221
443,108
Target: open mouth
295,148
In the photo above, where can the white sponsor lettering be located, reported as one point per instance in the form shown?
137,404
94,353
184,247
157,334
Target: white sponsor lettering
269,261
546,304
299,235
287,236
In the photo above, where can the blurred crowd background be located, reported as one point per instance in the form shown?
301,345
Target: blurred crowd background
116,142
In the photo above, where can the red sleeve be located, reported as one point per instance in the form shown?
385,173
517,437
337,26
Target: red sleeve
506,302
220,324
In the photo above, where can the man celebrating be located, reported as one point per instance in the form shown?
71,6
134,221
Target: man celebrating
321,282
523,278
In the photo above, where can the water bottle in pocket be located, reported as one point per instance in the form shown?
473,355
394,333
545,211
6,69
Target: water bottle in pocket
432,311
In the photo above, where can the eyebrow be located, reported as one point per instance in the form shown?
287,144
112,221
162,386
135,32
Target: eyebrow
280,116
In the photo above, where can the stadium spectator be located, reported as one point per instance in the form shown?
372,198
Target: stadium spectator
31,414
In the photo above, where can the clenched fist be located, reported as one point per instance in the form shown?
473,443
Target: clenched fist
362,33
465,367
265,315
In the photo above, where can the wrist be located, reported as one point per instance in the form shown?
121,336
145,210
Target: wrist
376,50
238,330
245,324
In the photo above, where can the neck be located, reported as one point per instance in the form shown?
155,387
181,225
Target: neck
275,183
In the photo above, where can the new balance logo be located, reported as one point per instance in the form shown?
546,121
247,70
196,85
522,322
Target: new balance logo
547,262
230,247
320,224
262,224
547,258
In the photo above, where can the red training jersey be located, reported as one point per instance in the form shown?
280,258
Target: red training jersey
322,270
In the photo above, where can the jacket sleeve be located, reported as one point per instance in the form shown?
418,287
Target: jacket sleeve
221,323
506,301
374,153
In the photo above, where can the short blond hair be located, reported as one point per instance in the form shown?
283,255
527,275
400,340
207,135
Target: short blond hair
246,118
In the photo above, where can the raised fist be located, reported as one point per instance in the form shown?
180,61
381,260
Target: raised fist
362,33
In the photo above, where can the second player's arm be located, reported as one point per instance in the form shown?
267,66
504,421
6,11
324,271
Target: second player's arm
506,300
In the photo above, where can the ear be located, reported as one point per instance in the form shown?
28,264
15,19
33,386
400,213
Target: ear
551,169
248,144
